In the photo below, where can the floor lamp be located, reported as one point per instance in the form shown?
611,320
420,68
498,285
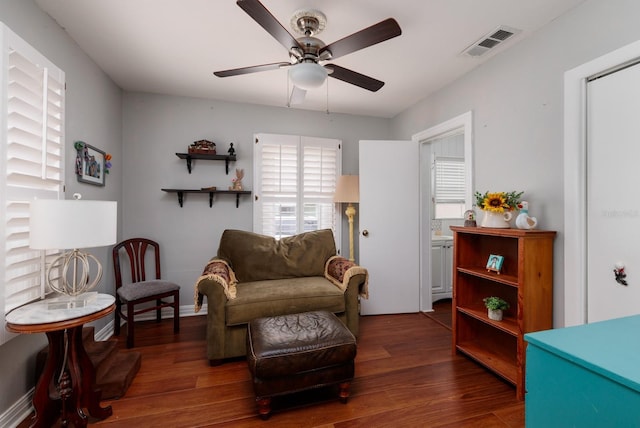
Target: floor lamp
70,225
348,191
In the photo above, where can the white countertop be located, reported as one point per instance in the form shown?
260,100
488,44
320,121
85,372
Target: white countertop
441,238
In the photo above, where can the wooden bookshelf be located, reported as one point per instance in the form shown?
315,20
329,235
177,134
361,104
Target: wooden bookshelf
525,281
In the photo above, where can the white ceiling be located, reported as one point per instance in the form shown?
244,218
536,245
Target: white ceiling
173,46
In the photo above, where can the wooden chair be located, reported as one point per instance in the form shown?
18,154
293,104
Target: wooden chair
140,290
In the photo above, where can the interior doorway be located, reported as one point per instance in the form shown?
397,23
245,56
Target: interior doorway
576,236
459,125
613,216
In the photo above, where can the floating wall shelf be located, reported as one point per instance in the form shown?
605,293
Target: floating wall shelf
189,157
181,193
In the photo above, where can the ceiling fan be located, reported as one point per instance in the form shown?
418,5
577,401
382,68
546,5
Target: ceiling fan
308,54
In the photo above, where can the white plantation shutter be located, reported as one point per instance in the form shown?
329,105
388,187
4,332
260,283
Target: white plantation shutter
319,176
449,187
277,184
31,163
295,178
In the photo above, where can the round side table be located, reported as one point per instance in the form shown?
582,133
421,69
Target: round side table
67,383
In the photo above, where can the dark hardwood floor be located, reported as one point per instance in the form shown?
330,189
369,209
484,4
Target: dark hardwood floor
406,376
441,313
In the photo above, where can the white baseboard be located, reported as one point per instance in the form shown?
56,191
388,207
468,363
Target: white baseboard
185,311
17,413
22,408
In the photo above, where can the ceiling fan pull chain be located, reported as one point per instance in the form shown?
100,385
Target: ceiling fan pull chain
327,96
288,92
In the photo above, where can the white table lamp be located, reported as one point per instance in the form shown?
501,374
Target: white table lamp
348,191
70,225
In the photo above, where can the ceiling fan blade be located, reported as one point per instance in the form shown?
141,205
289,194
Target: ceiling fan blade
252,69
377,33
297,96
354,77
262,16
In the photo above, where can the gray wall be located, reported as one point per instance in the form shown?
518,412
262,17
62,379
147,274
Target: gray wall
158,126
517,103
516,98
94,115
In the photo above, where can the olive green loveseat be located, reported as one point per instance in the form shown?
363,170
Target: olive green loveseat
256,276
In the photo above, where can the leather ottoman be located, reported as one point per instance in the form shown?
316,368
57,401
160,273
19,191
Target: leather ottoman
292,353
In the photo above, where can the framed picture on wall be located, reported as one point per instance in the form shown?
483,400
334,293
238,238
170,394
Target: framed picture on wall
90,164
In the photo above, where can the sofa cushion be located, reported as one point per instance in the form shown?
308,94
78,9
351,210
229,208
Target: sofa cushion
255,257
283,296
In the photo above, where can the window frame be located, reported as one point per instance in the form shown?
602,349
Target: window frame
32,164
299,196
460,179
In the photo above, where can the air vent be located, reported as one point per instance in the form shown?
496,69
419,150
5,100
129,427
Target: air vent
490,41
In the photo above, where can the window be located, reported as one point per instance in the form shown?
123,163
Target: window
31,163
295,181
449,188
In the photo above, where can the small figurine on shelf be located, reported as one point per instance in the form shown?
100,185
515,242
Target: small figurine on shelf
470,218
203,147
237,180
231,151
524,221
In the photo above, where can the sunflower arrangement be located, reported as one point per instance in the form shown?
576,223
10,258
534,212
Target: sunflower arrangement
498,202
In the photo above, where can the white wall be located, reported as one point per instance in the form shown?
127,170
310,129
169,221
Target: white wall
93,109
517,101
158,126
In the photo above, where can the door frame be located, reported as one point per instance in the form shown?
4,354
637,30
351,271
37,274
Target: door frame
464,121
575,188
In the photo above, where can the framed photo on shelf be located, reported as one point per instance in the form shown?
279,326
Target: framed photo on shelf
494,264
90,165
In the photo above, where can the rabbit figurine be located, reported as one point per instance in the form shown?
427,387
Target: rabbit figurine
237,181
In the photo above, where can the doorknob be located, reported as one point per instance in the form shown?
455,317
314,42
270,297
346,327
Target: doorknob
365,232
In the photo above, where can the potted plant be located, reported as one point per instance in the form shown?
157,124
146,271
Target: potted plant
497,207
495,306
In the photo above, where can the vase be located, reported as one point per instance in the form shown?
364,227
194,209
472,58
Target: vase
495,314
496,220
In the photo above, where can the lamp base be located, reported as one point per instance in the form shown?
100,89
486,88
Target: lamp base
58,273
72,302
350,213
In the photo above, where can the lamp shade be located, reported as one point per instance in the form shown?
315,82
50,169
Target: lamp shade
307,75
347,189
72,224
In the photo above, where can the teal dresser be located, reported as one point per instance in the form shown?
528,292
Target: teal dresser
584,376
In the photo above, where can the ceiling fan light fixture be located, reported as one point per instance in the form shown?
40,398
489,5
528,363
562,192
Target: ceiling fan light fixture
307,75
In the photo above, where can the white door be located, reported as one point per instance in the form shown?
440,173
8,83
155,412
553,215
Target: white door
389,225
613,198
